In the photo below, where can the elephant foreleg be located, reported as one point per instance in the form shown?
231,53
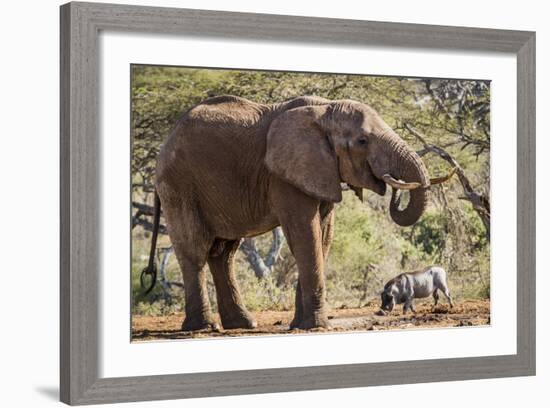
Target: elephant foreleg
300,219
327,227
298,308
232,310
309,257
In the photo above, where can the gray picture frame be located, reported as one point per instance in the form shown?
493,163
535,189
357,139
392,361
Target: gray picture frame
81,24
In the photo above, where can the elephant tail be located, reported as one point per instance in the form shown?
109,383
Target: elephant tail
151,268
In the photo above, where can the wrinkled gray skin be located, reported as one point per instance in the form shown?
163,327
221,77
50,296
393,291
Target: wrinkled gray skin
420,284
232,168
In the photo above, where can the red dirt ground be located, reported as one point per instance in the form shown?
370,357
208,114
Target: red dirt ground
465,313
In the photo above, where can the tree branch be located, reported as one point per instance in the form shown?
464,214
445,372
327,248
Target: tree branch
479,201
263,267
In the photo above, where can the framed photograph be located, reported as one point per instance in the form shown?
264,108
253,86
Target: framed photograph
260,203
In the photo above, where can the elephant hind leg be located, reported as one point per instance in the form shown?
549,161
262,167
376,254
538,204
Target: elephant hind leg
191,243
198,315
232,310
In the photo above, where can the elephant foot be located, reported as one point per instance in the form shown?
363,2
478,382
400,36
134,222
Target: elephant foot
314,322
295,323
240,320
199,324
297,320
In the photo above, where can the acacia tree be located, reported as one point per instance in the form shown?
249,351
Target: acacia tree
447,121
461,111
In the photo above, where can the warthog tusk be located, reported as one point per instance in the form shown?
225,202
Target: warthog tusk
399,184
439,180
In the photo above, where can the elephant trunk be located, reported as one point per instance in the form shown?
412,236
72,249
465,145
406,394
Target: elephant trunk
409,168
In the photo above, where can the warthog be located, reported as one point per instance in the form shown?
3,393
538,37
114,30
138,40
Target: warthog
419,284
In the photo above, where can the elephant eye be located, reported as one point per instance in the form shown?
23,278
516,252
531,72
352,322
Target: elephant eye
362,141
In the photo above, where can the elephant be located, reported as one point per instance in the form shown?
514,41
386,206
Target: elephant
232,168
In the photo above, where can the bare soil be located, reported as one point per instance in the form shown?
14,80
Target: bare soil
465,313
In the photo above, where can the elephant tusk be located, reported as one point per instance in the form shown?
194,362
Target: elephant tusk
399,184
439,180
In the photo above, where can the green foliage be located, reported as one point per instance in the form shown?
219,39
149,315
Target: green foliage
431,232
368,247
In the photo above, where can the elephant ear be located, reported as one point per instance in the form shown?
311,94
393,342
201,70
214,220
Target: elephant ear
299,151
